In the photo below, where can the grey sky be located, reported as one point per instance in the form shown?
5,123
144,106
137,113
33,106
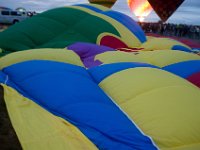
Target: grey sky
188,12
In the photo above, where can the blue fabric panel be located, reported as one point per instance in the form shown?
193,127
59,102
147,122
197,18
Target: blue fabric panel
123,19
20,74
181,48
184,69
69,92
93,8
2,77
101,72
129,23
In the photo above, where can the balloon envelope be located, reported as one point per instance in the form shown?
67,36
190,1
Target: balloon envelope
141,8
106,3
165,9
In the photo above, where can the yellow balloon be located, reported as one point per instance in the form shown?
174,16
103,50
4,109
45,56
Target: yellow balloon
106,3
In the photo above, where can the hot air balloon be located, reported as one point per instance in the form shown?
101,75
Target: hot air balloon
165,8
141,8
66,87
106,3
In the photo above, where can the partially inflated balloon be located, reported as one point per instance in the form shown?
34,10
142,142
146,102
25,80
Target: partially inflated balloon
106,3
91,96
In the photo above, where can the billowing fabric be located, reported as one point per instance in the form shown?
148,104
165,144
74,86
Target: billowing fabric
60,55
93,7
32,121
181,48
60,27
69,92
129,23
119,21
114,57
163,105
189,70
8,136
158,58
103,71
185,68
163,58
87,52
194,78
51,28
88,78
164,44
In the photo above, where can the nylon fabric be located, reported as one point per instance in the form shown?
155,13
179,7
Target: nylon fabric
152,99
38,129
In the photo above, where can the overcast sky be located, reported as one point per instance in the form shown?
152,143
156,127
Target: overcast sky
188,12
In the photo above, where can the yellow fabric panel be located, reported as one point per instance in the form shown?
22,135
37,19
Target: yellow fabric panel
126,35
164,106
170,115
101,7
60,55
161,44
150,37
38,129
141,79
162,58
117,56
194,146
158,58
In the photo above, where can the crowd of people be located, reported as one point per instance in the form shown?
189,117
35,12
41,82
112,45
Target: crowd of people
169,29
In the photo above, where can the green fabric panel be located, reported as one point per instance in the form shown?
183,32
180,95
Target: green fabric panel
55,28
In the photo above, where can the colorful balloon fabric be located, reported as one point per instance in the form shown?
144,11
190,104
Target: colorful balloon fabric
60,27
85,77
106,3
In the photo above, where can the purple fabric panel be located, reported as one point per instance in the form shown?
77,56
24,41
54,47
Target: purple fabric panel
90,62
87,52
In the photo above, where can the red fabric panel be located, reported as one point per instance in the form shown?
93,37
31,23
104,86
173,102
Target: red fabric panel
195,79
130,49
112,42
